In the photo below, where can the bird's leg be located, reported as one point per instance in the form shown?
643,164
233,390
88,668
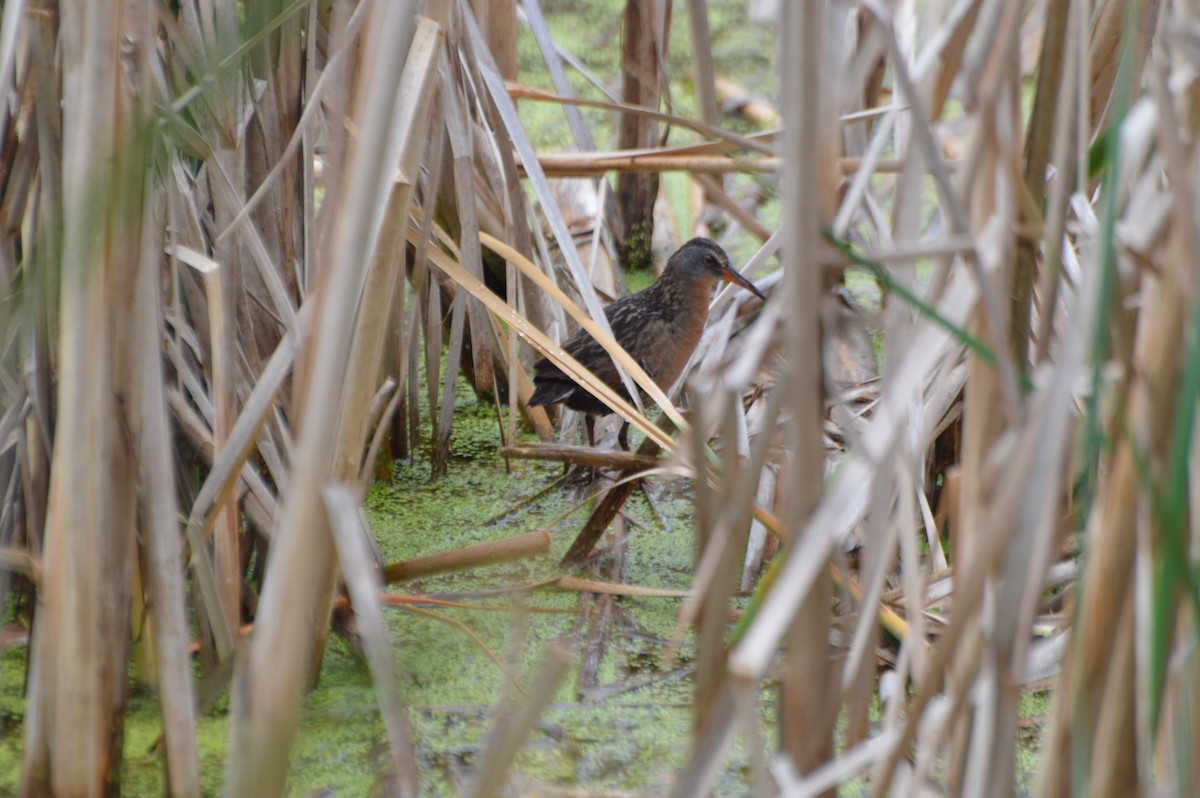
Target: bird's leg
589,423
623,436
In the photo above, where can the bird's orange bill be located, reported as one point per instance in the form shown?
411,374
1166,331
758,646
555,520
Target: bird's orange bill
730,276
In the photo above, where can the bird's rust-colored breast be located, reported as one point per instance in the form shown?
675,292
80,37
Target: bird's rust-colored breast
669,331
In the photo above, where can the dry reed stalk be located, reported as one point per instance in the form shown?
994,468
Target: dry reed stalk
272,677
722,139
573,164
580,455
1094,706
1067,124
692,159
753,109
607,509
161,552
258,502
580,132
645,33
530,544
213,31
276,62
987,192
39,315
1111,23
36,162
808,709
726,510
712,596
80,652
354,539
227,469
704,80
12,14
225,524
461,155
1165,682
558,76
716,195
883,527
410,122
609,588
1040,140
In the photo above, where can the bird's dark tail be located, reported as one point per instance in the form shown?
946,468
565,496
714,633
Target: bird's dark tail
549,392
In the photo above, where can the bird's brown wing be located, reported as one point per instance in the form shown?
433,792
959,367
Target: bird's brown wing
630,321
629,325
555,386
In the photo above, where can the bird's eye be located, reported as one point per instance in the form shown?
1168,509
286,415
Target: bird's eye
712,261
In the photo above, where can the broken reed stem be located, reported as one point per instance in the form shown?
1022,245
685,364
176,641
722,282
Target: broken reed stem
574,164
615,589
353,539
581,455
225,520
531,544
614,499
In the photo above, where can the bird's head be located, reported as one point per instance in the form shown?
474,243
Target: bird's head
703,259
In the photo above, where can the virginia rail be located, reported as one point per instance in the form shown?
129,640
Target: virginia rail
659,326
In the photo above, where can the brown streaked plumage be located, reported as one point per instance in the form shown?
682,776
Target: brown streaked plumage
659,326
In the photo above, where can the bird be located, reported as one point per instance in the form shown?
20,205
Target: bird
659,326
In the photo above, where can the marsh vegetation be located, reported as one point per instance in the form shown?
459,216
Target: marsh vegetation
278,518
